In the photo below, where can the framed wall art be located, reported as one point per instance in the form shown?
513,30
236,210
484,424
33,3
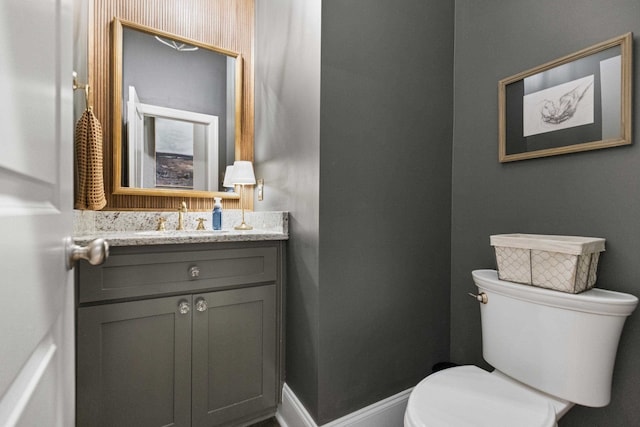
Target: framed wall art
576,103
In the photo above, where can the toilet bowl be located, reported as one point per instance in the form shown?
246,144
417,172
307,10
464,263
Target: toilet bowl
470,396
544,363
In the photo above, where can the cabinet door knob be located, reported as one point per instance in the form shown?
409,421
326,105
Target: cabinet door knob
201,304
183,307
194,272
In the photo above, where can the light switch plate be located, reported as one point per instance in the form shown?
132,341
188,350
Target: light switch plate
260,189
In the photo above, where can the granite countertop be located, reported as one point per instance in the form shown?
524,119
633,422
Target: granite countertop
139,228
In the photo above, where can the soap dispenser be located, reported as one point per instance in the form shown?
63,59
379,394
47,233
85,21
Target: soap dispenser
217,214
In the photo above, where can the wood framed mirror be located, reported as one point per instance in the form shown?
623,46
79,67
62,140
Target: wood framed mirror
176,113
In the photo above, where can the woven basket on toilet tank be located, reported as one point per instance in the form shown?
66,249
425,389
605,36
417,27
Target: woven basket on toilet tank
563,263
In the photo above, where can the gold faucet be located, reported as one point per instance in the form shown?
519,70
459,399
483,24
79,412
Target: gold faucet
201,224
181,211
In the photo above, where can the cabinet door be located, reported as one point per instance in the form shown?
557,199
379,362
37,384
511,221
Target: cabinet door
134,364
234,356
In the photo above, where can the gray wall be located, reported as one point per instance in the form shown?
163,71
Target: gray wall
593,194
363,167
80,54
365,174
385,149
287,141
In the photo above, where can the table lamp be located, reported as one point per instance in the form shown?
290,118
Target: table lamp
242,175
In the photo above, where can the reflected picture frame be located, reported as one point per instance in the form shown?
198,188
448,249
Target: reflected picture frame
579,102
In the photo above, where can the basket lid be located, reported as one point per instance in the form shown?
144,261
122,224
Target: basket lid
574,245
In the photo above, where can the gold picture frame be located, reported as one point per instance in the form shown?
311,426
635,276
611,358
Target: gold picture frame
579,102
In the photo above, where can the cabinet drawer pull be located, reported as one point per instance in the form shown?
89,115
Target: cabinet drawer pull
201,304
194,272
183,307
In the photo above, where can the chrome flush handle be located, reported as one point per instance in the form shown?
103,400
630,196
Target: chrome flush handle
481,297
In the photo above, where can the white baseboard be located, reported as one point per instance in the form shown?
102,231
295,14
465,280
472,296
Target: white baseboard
291,413
385,413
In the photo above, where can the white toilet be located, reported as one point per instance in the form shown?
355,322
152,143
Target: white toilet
550,350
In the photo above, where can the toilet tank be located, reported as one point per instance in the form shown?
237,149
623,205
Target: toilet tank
562,344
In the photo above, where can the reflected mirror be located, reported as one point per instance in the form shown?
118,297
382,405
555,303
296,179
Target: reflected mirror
176,113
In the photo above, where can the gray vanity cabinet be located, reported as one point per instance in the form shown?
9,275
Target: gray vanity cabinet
134,364
234,355
209,356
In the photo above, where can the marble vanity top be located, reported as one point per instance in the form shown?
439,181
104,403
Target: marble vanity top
122,228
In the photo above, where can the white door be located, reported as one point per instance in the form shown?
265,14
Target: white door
36,183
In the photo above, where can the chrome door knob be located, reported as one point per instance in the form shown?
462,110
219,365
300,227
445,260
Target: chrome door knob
201,304
183,307
96,252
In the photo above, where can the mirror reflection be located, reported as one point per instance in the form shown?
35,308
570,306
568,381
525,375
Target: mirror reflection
178,112
170,148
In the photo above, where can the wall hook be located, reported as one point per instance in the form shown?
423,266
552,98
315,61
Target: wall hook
77,85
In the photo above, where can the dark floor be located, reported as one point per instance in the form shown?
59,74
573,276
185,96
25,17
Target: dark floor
271,422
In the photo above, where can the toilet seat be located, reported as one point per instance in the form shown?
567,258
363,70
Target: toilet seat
467,396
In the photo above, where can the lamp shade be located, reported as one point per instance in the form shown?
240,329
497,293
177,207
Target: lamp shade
228,177
243,173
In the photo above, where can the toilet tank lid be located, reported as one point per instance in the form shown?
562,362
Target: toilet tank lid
470,396
596,301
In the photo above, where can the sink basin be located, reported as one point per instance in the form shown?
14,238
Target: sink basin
148,233
178,233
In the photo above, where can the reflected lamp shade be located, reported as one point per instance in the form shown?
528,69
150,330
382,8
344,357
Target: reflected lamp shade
243,173
228,177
